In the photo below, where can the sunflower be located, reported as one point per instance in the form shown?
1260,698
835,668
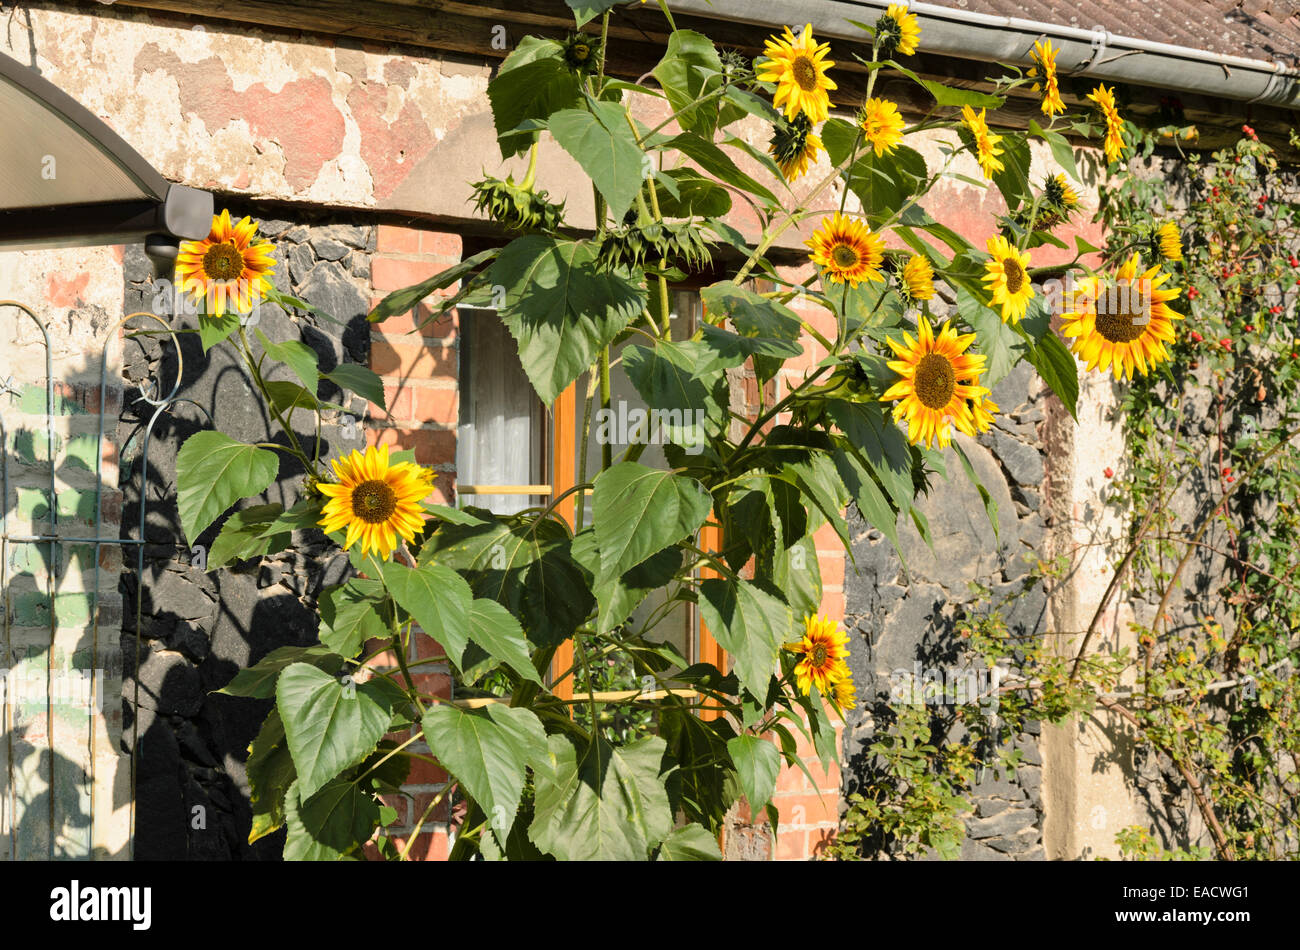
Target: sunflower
897,30
1125,323
1059,200
918,278
1113,145
937,380
881,125
798,67
1058,191
845,694
824,647
986,143
846,250
228,268
376,501
1171,241
1045,57
795,146
982,410
1007,274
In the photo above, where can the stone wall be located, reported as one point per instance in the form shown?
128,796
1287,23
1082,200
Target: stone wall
197,629
905,625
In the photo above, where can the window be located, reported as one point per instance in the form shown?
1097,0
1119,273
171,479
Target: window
511,454
501,436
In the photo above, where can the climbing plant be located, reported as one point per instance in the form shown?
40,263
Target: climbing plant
1210,484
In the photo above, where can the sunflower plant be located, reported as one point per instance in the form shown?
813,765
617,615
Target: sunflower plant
867,423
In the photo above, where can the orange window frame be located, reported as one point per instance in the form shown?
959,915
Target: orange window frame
563,479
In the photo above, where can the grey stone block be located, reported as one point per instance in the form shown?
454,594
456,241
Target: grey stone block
1007,822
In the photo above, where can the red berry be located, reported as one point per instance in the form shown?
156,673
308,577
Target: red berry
1276,308
1196,337
1109,472
1192,293
1226,343
1250,328
1227,470
1293,261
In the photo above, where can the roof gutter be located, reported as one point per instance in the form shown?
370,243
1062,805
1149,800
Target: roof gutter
1096,52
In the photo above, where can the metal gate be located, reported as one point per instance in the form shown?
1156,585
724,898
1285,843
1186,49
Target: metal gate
53,801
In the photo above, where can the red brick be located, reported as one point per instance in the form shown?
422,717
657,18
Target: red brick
441,328
387,273
833,605
431,446
807,809
819,840
442,243
832,565
821,320
412,360
433,684
400,405
429,846
791,779
436,405
397,240
421,801
426,773
826,779
400,804
824,537
792,846
427,647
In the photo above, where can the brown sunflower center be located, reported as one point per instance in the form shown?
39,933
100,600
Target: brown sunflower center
818,655
374,501
1015,275
844,257
223,262
935,382
805,73
1122,313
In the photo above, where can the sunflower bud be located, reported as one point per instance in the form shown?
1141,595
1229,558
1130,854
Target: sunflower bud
516,207
583,53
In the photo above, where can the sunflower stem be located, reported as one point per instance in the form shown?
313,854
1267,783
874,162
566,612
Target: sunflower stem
580,515
531,175
254,367
606,449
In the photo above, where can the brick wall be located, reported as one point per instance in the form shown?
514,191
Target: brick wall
418,364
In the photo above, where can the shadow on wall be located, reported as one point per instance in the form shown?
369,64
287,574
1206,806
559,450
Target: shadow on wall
53,654
196,629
